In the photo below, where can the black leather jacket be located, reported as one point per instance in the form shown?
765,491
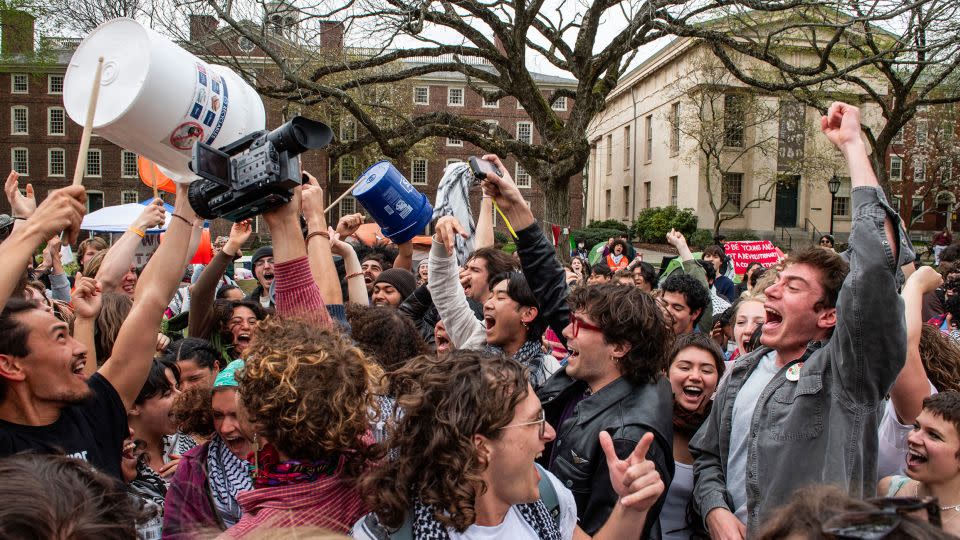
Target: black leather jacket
419,307
623,409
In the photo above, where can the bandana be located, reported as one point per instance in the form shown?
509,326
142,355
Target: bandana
686,422
530,354
228,475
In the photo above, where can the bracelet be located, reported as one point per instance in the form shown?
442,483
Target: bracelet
324,234
355,274
183,219
136,231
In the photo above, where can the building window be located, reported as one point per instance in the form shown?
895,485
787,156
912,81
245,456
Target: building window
491,104
20,161
946,172
841,203
895,204
921,131
919,169
897,137
525,132
18,83
675,128
129,197
648,138
421,95
451,161
347,165
455,97
946,132
674,181
896,168
56,124
54,84
733,120
454,142
94,163
522,177
19,122
609,154
731,192
128,164
559,104
492,126
626,147
418,172
646,194
917,208
94,201
348,205
608,200
348,130
626,202
56,162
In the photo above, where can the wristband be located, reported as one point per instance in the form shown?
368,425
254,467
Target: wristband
310,236
136,231
183,219
355,274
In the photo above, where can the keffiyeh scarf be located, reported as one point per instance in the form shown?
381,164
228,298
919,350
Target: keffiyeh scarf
530,354
228,475
535,514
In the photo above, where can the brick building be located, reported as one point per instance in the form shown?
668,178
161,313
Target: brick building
42,141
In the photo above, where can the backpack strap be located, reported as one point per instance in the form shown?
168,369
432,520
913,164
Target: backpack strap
548,494
375,529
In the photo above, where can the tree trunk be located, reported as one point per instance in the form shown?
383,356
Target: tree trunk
557,201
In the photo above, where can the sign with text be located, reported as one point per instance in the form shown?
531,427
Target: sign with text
745,252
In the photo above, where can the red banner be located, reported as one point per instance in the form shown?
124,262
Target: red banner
744,253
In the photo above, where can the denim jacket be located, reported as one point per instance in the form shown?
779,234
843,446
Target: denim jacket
821,428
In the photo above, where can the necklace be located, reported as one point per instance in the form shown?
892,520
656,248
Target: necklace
927,492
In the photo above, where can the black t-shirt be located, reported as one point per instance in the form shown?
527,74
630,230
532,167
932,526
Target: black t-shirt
92,431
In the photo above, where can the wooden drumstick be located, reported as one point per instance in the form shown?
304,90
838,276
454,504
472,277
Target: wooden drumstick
88,125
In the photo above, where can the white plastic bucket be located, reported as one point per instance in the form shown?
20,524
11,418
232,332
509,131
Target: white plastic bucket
157,99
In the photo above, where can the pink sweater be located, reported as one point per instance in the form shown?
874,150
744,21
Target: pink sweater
297,294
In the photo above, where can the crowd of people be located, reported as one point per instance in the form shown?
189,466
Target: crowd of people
368,393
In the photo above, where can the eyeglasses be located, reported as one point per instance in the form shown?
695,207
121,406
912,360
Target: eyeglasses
881,523
579,324
541,419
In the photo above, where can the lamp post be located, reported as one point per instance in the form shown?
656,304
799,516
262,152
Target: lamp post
834,186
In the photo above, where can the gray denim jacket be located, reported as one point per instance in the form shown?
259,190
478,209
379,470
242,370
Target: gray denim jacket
822,428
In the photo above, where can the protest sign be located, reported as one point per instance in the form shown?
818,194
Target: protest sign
745,252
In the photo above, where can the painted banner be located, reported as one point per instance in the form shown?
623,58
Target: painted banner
746,252
791,135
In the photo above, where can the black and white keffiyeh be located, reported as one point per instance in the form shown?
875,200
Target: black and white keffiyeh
426,526
530,354
228,475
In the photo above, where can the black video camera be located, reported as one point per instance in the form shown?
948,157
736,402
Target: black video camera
255,173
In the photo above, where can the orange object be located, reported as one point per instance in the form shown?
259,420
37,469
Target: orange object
371,235
151,176
204,253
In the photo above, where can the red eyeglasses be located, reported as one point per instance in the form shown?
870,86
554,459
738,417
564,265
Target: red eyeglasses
579,323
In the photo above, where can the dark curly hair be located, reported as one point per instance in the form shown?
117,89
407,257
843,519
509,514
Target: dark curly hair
385,335
192,412
445,402
223,312
694,293
49,496
519,291
308,391
941,358
629,315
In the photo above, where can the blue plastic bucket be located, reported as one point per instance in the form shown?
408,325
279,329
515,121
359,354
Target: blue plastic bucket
400,210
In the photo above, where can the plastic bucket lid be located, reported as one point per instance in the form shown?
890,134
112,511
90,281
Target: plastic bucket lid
400,210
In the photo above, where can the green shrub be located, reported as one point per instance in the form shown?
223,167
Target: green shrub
591,236
701,239
653,224
609,224
737,235
500,238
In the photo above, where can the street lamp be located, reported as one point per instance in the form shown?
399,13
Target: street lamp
834,186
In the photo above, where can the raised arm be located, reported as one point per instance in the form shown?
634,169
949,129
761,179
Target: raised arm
869,340
59,283
62,210
484,234
543,271
465,331
86,306
130,362
203,292
912,385
318,249
688,265
120,256
356,288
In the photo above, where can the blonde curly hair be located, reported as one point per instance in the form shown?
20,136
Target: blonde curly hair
309,392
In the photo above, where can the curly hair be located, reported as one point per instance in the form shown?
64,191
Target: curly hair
385,335
192,412
941,358
308,391
223,312
114,310
694,293
445,402
629,315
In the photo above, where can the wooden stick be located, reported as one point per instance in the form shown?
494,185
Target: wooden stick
342,195
88,125
153,176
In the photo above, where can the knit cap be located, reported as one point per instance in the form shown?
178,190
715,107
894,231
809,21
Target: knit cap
402,280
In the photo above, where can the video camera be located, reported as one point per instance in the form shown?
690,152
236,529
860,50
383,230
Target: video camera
255,173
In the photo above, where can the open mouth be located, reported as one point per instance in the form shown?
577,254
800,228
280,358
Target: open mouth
78,366
490,322
243,340
692,392
774,318
268,277
915,459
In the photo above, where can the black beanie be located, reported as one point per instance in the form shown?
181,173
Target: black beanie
401,279
260,253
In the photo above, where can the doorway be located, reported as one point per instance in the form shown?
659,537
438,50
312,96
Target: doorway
785,211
